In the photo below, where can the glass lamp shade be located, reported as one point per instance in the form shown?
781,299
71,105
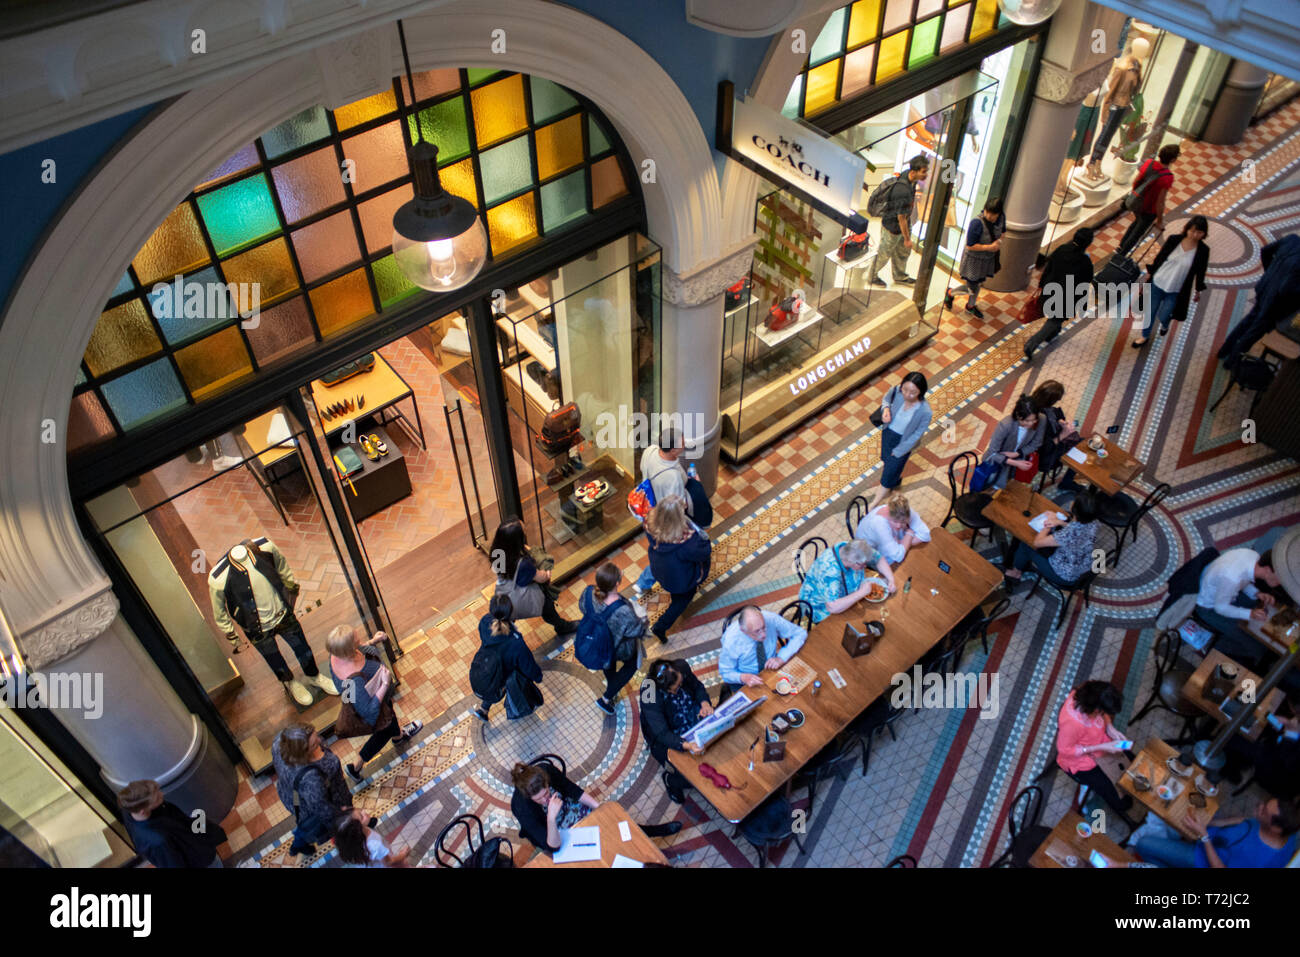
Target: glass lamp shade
438,239
1028,12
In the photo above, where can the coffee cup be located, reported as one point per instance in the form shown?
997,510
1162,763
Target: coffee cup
784,686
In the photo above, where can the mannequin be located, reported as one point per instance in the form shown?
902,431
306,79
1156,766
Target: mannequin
1125,79
253,586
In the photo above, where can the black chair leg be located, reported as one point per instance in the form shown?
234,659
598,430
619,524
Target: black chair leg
1231,383
1152,702
1248,782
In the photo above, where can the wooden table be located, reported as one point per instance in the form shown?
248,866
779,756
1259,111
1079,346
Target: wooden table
1194,691
1267,633
1151,761
382,389
607,818
916,623
1110,474
1008,507
1065,835
261,456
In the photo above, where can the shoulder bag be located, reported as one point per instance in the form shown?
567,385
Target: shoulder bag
1134,199
878,417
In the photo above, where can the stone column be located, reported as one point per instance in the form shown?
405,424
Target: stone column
1242,89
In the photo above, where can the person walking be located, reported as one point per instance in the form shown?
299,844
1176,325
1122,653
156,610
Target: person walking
502,654
1275,298
896,223
980,259
162,833
1067,274
362,846
906,415
1151,185
358,668
1176,277
609,616
309,782
520,578
662,467
679,555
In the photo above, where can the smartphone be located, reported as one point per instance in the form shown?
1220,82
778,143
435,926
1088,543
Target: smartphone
1274,721
1076,423
1097,859
1126,745
1112,430
945,567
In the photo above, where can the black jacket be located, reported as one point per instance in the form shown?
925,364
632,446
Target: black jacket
532,816
1068,262
514,652
1195,275
658,731
167,839
681,566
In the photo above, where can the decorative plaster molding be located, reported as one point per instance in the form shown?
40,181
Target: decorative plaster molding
1058,85
65,634
710,281
355,67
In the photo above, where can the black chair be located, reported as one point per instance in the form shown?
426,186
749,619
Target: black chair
879,716
1122,513
855,513
1067,590
1167,688
1251,373
470,823
800,567
1027,835
943,658
976,624
903,860
967,506
799,612
762,844
554,760
834,760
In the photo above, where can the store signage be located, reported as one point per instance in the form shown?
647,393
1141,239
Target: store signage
831,365
797,155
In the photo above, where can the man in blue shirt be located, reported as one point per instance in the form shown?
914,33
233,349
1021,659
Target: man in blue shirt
1267,840
836,581
750,645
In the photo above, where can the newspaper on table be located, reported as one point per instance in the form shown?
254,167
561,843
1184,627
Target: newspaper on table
723,719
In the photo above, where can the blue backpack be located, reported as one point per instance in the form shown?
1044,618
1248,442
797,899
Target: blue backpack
593,645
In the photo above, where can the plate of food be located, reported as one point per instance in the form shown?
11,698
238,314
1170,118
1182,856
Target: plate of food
877,590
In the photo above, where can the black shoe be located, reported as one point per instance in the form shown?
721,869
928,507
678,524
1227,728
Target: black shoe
353,773
675,795
661,830
662,637
1029,355
948,298
906,281
568,628
481,715
1164,330
605,706
1010,584
879,282
974,311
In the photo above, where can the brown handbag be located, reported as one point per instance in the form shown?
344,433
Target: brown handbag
560,430
350,724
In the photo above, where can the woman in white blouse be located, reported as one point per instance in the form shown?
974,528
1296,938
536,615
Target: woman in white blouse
1176,277
892,529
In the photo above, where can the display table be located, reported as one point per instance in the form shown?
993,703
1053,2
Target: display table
381,388
378,484
808,316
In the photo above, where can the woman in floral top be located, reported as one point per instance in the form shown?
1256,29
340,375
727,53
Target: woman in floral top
1073,542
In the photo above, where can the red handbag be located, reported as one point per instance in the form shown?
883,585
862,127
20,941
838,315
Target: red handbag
1030,469
852,247
1032,310
783,313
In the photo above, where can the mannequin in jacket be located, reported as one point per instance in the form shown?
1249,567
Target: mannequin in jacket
253,587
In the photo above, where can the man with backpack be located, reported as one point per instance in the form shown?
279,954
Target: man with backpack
609,634
1147,201
892,201
503,664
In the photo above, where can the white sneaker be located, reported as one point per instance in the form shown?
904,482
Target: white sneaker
641,610
299,693
223,462
324,682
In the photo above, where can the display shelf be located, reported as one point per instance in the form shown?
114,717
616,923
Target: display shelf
532,403
774,339
529,339
833,257
743,306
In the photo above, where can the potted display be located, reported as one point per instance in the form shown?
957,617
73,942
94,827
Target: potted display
1131,130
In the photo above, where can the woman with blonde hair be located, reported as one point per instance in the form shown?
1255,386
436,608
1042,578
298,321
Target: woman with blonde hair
365,682
679,557
892,529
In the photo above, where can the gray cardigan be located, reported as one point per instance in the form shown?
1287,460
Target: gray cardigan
915,428
1004,441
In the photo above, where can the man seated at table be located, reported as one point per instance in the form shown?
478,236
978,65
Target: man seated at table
835,582
892,529
1268,839
1228,595
752,643
673,700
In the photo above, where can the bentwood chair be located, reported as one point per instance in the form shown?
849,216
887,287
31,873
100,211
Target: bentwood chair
1167,687
1250,373
879,716
903,860
1122,513
833,761
802,564
1067,590
474,841
977,623
762,830
855,513
554,760
964,504
1025,832
799,612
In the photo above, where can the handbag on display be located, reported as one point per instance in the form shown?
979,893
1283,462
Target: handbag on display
737,294
1032,310
853,246
783,313
560,429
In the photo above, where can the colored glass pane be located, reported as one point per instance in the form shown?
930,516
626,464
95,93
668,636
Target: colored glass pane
597,141
444,125
362,111
377,217
240,214
237,163
924,37
342,302
124,285
148,393
213,364
607,183
892,51
309,184
830,42
564,200
281,330
512,224
123,334
549,99
954,28
499,110
559,147
326,246
864,21
458,179
434,83
88,423
81,375
926,8
898,13
794,98
269,265
390,282
857,71
296,132
984,19
201,303
821,87
176,246
506,170
953,3
480,76
378,157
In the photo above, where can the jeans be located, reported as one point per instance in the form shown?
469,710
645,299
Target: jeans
674,611
1025,556
1136,230
291,631
1049,330
1160,308
1107,131
1167,851
1231,640
617,677
646,581
375,743
892,251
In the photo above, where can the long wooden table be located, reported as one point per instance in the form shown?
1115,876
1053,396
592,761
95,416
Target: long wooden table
916,623
1065,841
1151,761
1194,691
607,818
1110,474
1268,632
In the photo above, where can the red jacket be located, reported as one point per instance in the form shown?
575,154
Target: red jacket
1154,193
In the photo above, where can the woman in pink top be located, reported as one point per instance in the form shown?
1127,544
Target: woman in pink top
1084,728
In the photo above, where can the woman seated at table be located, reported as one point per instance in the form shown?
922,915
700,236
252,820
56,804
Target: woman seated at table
1073,541
892,529
836,580
1015,440
1083,729
1059,435
1269,839
545,801
672,701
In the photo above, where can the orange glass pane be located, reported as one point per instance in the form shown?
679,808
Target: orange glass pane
559,146
377,216
267,264
434,83
499,110
378,157
862,22
607,183
458,179
175,247
821,87
512,224
122,335
857,71
342,302
213,364
309,184
985,18
372,107
892,51
88,423
326,246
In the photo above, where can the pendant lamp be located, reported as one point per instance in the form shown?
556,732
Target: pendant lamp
1028,12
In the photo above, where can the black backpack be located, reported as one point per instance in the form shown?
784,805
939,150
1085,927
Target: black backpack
879,197
487,674
593,645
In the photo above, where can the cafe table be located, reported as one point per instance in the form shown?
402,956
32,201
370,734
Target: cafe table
1151,760
607,817
916,622
1109,474
1194,690
1271,633
1065,841
1007,511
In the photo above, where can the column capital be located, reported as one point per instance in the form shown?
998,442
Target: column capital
1065,87
711,280
69,629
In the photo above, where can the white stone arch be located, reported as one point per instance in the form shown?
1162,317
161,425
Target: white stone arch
53,590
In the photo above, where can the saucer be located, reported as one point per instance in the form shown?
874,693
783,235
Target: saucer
795,717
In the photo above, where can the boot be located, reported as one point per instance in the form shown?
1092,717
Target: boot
295,689
323,681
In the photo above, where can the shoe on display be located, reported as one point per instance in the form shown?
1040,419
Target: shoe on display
299,693
325,683
380,445
368,447
223,462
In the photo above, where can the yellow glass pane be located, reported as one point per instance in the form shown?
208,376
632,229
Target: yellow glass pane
175,247
354,114
499,110
607,183
892,51
821,87
862,22
458,179
986,18
269,265
559,146
122,335
212,364
512,224
342,302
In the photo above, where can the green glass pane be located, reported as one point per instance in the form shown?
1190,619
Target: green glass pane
392,285
81,375
204,302
564,200
830,42
549,99
148,393
792,101
479,76
297,131
123,285
240,214
506,169
924,38
445,126
596,137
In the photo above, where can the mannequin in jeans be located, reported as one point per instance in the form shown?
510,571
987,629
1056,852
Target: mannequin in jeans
1125,79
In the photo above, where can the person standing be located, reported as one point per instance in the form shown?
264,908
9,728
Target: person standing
661,465
896,224
625,628
162,833
979,261
906,415
1176,277
1275,298
519,578
679,556
1152,184
1067,274
356,667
